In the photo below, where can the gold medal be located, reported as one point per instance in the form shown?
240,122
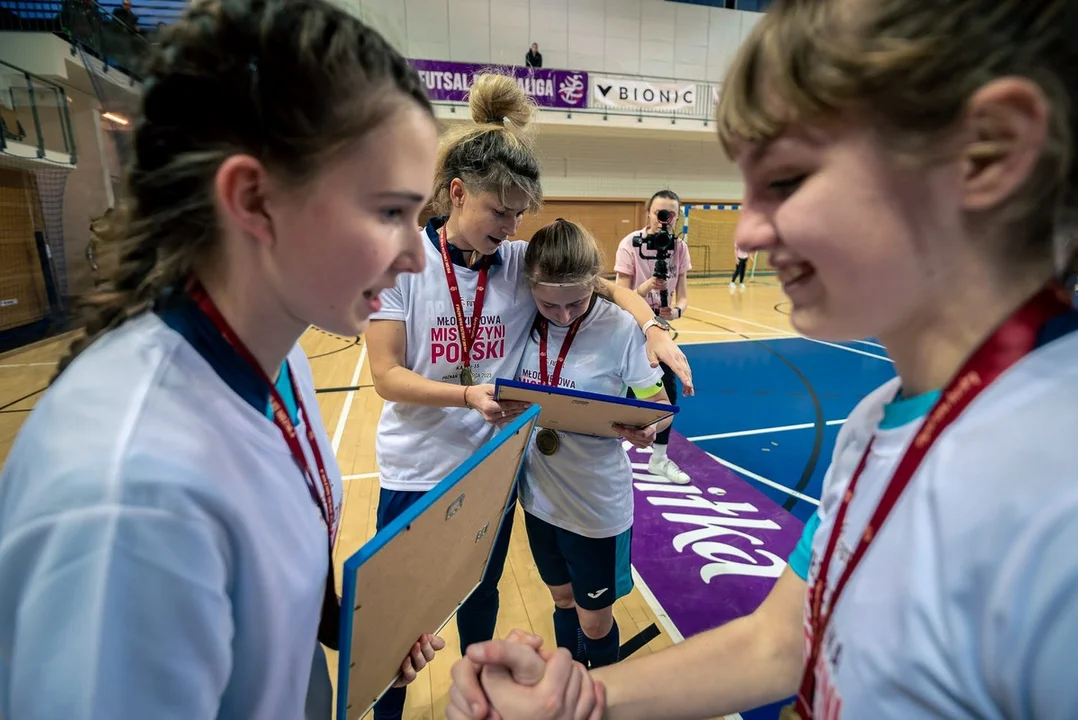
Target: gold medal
466,377
547,441
789,712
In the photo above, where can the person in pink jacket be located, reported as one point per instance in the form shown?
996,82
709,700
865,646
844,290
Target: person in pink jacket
639,274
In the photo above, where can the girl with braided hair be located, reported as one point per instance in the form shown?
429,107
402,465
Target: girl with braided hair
168,510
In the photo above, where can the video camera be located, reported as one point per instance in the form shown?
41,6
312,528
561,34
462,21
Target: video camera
662,243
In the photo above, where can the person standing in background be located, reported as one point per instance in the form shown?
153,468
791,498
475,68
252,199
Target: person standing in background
636,273
534,58
742,263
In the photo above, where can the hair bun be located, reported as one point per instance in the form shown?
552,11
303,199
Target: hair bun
495,98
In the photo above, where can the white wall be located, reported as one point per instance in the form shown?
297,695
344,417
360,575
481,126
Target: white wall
86,194
594,162
638,37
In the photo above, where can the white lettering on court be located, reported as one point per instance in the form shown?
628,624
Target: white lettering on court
715,520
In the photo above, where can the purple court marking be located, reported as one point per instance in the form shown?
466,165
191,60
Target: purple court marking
710,551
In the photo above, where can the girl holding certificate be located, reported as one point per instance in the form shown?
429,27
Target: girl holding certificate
440,337
576,490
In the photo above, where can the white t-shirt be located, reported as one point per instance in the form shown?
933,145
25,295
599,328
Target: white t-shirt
160,555
418,446
966,603
586,487
628,262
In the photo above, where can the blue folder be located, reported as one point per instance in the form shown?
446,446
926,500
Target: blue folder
413,575
583,412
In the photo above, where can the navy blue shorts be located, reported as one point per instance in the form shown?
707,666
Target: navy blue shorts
599,569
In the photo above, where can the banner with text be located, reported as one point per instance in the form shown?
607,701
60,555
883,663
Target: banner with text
449,81
626,94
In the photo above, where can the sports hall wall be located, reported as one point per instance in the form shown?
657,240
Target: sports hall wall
56,174
602,155
601,158
651,38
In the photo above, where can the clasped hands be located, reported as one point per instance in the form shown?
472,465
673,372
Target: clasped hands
518,679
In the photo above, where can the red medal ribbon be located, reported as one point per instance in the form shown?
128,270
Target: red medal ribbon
280,414
566,343
1008,344
466,337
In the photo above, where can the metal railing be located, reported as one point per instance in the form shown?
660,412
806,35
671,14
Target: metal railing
94,30
86,25
581,91
34,112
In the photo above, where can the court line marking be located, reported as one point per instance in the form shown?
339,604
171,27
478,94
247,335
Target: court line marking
346,408
656,607
22,365
736,340
765,481
361,476
645,592
762,431
732,332
662,618
772,327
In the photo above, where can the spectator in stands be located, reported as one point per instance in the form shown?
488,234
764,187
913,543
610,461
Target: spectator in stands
636,273
534,58
127,16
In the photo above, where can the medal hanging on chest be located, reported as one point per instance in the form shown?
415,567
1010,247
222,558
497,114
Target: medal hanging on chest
467,334
789,712
547,440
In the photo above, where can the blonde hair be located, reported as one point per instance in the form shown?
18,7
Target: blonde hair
493,153
911,66
563,253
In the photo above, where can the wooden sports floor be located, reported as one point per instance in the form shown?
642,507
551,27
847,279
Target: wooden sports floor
351,418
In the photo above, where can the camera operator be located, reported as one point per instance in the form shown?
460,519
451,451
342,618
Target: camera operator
653,261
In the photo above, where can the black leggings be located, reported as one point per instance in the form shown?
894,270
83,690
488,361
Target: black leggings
670,385
740,270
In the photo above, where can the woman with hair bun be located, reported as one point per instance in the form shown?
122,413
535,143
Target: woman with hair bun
441,337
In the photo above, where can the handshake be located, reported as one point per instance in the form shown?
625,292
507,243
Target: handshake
518,679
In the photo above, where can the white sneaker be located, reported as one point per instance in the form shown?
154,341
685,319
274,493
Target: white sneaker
667,468
742,286
732,286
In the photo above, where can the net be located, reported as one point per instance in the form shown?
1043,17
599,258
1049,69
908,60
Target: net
33,273
709,233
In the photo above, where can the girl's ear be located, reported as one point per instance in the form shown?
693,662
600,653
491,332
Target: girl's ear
241,186
1007,127
457,192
